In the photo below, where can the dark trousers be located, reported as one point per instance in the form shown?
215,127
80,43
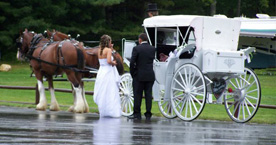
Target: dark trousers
140,87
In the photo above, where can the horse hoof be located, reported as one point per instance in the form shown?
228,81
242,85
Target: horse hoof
71,109
54,108
79,110
86,110
41,107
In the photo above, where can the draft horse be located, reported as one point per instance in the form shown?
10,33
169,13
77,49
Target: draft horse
52,58
91,53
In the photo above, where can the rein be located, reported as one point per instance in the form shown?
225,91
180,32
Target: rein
71,67
36,39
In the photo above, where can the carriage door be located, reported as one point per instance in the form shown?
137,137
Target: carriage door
127,47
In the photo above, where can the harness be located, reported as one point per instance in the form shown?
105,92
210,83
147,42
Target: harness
33,45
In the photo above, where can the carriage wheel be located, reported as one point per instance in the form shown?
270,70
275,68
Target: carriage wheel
243,97
126,94
165,106
188,92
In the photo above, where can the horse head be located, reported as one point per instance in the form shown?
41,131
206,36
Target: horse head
57,36
24,41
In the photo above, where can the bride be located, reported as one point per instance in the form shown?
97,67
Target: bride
106,89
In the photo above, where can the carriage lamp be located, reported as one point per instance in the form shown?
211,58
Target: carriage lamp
230,90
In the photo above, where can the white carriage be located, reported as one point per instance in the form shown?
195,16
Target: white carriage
203,65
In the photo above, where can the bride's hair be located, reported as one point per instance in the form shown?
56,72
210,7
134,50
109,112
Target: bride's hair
104,42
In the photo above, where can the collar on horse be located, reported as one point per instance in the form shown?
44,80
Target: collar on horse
36,39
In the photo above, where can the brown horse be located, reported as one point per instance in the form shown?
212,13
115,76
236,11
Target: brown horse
91,53
48,59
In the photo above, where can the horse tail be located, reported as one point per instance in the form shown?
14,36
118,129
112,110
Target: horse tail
80,61
120,65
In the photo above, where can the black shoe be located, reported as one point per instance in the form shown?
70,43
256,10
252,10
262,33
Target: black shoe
148,118
134,117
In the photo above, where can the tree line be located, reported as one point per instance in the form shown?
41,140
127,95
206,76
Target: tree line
118,18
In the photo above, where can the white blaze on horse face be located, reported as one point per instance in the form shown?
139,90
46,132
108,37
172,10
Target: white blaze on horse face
54,104
79,104
42,105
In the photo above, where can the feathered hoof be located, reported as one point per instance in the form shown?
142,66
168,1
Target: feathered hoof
79,109
86,110
71,109
41,107
54,108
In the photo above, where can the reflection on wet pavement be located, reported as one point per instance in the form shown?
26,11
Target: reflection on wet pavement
28,126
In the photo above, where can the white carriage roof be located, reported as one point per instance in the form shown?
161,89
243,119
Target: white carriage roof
169,21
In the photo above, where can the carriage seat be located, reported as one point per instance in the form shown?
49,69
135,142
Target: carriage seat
188,52
164,50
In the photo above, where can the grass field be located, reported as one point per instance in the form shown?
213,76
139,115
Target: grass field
20,76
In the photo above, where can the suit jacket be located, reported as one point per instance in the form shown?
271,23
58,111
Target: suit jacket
141,63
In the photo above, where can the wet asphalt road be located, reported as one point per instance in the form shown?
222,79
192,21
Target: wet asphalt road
28,126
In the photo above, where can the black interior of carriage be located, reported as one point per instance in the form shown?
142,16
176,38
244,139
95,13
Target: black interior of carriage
166,49
188,52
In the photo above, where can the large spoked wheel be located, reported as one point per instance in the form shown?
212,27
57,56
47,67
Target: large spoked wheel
243,97
188,92
165,106
126,94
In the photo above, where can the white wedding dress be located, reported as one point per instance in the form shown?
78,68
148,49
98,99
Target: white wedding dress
106,90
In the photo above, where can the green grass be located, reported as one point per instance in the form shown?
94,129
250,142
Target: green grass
20,76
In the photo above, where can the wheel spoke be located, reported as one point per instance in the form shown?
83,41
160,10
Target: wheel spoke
199,88
185,74
194,98
251,97
179,83
230,97
193,78
243,112
197,94
195,105
178,89
185,85
250,103
237,107
248,111
186,109
251,91
233,85
179,101
198,79
190,105
249,86
237,82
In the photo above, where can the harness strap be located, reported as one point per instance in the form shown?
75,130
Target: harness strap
43,48
58,57
71,67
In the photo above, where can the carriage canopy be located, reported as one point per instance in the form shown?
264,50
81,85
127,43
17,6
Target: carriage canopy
204,31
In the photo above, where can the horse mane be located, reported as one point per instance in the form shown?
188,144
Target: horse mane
62,35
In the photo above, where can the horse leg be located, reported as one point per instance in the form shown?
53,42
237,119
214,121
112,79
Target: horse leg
71,108
79,105
84,98
42,105
54,104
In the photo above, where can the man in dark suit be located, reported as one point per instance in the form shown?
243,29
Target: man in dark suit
141,70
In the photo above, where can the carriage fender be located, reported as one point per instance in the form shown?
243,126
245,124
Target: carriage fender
169,76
